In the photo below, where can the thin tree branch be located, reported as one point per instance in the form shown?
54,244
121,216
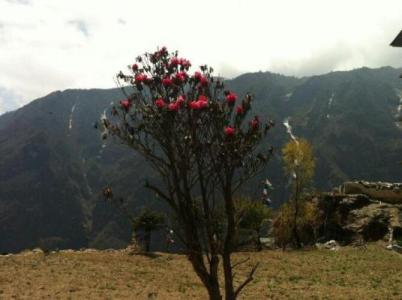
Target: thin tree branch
240,262
249,278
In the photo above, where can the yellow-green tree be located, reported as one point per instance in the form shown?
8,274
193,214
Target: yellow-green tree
281,230
299,162
312,217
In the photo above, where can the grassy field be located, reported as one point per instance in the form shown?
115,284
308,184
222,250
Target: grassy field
349,273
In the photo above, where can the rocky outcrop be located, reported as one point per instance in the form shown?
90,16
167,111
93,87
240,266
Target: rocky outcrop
351,217
382,191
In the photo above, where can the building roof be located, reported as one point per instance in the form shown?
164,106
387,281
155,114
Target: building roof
397,42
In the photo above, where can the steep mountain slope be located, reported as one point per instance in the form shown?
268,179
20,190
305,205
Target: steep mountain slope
53,164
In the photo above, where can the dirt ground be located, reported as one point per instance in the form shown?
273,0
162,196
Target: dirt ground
350,273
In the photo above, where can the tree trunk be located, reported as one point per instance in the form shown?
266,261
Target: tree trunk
213,286
210,280
228,246
296,215
296,237
147,241
195,255
213,291
315,234
258,244
228,272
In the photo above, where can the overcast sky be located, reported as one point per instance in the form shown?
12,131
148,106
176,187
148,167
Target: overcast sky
48,45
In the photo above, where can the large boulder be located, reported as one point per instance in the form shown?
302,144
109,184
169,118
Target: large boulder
351,217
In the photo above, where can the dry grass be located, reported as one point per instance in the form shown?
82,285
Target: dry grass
350,273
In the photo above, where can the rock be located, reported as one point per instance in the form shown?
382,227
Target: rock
330,245
89,250
37,250
268,242
67,251
350,217
395,248
132,249
370,222
382,191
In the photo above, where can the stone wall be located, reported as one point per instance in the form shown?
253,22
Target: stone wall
381,191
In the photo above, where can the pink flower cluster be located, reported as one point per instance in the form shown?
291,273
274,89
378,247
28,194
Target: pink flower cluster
175,106
180,77
167,81
229,131
172,106
240,110
200,103
175,61
201,79
158,54
141,78
230,97
172,75
255,123
125,104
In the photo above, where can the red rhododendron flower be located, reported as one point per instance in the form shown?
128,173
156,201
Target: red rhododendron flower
167,81
125,104
197,75
139,78
134,67
202,104
174,61
174,106
202,98
163,51
240,110
255,123
180,100
160,103
203,81
231,97
229,131
181,76
185,63
194,105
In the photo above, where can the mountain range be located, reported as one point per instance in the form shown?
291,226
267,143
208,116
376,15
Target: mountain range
54,164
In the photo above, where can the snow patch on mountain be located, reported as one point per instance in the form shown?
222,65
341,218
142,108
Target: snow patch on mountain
331,99
288,95
293,137
398,115
70,122
289,129
85,175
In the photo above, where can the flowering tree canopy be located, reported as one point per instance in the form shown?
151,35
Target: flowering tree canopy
197,136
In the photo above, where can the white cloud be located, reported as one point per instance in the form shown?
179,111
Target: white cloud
9,100
81,26
49,45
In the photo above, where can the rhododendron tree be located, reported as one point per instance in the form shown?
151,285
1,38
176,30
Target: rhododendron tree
196,135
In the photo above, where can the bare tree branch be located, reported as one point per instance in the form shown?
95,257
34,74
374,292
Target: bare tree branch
249,278
240,262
